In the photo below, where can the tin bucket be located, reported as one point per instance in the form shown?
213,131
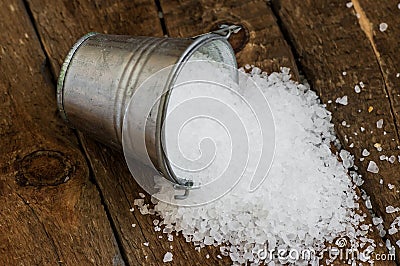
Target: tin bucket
102,72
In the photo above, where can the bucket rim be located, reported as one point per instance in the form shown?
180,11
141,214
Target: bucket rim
199,41
63,73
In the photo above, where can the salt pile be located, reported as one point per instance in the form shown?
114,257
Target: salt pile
306,200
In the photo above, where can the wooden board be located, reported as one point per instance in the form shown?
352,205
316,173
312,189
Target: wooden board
329,41
386,47
50,211
60,23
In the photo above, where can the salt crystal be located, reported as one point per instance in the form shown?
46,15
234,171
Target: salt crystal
372,167
390,186
132,209
357,89
167,257
349,4
342,100
392,231
397,75
362,129
362,85
347,158
368,204
398,241
344,73
170,238
133,225
377,220
392,159
365,152
383,26
146,244
219,257
207,256
381,181
391,209
382,157
138,202
379,123
142,195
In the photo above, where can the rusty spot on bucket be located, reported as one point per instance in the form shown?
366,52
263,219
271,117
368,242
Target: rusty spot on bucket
44,168
238,40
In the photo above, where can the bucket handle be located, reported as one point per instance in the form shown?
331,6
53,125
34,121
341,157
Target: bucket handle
224,30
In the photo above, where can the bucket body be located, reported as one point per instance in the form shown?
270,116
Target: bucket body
101,73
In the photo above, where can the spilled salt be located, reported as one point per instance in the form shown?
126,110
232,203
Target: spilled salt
307,198
383,27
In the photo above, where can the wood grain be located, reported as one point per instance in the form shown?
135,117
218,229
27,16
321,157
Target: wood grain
50,211
386,47
60,23
329,41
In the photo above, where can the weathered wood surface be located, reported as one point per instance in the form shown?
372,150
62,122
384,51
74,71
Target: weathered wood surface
386,46
59,24
50,212
329,40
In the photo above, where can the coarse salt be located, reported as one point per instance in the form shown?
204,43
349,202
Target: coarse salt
290,209
365,152
379,123
373,167
168,257
357,89
383,27
342,100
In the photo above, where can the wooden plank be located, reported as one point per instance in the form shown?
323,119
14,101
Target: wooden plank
329,41
385,45
260,42
50,211
110,171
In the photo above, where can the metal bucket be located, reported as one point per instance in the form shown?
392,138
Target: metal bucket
101,73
